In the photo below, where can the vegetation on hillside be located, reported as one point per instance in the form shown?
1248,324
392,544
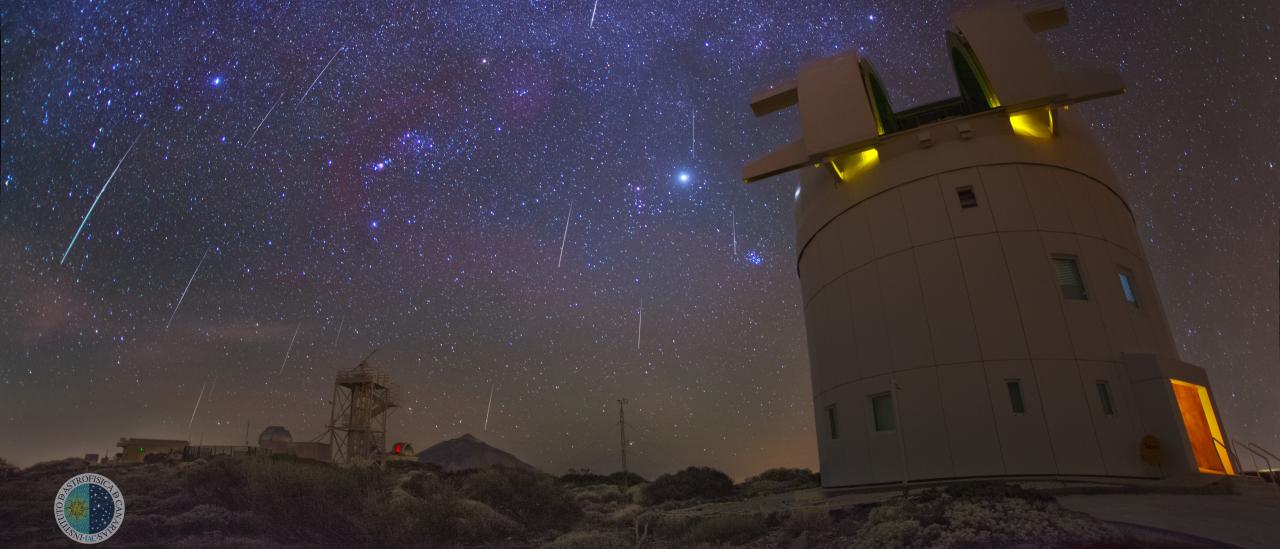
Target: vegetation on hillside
276,501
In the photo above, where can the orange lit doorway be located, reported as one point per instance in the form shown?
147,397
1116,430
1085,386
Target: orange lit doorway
1202,428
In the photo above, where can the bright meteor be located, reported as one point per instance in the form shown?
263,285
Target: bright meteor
184,290
99,197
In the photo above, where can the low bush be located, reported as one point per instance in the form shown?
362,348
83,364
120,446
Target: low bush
534,499
693,482
807,520
589,540
736,529
981,515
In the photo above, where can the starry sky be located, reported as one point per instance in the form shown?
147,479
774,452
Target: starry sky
534,199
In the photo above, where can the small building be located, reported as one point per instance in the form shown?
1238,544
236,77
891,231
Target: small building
135,450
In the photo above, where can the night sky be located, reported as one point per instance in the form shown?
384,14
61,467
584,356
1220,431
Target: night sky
351,178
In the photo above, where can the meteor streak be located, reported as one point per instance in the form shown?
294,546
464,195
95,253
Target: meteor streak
326,67
565,236
592,24
693,133
184,290
194,410
264,119
99,197
640,325
290,349
734,221
341,323
489,408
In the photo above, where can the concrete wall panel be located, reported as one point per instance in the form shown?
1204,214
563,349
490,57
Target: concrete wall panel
1075,195
1037,295
965,221
1024,437
854,237
926,214
1119,433
946,301
995,311
923,424
1007,199
908,324
887,223
875,354
1045,196
1075,444
970,423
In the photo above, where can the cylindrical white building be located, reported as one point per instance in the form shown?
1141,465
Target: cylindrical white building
976,296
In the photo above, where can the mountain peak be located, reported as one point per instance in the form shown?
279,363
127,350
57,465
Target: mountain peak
469,452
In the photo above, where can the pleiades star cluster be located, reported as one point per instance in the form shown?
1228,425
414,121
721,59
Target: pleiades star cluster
208,208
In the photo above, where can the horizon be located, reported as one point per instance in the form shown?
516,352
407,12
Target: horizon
209,215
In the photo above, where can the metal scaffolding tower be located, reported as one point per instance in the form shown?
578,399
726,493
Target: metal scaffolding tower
362,398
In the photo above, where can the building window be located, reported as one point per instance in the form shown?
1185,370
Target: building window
1104,394
882,411
967,198
1067,271
1126,284
832,427
1015,396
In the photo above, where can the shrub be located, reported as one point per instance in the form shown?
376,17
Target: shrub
986,489
534,499
983,515
693,482
201,519
726,528
787,476
807,520
587,478
589,540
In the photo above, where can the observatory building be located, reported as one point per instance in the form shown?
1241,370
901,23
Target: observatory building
977,300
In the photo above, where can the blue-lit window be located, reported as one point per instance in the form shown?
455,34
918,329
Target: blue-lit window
1126,284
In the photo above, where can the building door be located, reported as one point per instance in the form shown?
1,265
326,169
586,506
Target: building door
1202,427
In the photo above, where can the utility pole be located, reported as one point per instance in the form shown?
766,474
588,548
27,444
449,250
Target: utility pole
622,427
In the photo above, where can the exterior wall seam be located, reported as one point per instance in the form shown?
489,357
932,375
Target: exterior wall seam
1124,202
924,304
912,247
1004,259
986,383
945,364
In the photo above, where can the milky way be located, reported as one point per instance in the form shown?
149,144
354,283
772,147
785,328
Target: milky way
398,178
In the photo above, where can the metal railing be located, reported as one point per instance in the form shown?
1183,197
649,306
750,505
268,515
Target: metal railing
1231,456
1254,455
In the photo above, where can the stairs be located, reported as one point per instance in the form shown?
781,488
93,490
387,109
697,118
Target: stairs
1251,486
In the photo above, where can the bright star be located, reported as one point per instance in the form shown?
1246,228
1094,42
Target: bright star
684,177
217,81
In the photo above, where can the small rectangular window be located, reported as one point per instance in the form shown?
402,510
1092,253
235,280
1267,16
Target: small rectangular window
967,198
1126,284
1104,394
882,410
1067,271
1015,396
832,427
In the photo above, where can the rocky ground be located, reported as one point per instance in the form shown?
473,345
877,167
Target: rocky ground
281,502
